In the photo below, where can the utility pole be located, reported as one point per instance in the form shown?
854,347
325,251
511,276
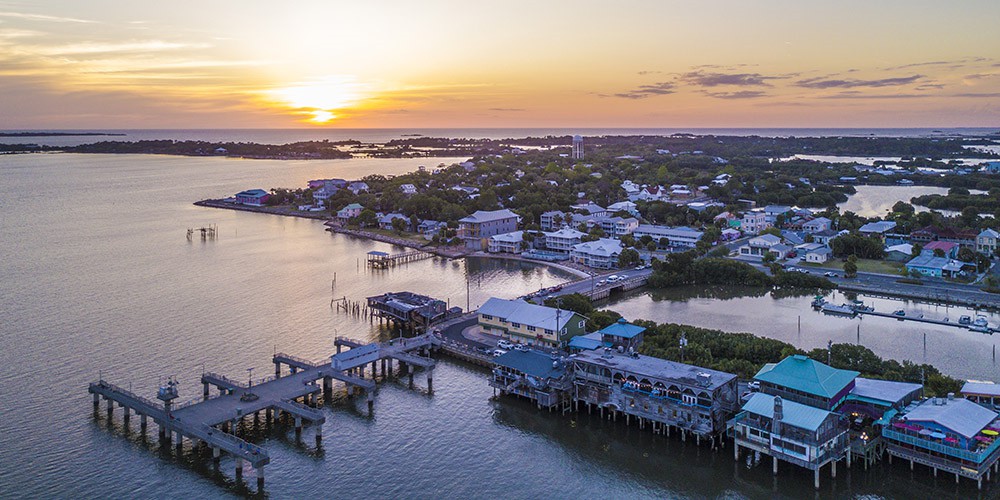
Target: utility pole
829,352
683,344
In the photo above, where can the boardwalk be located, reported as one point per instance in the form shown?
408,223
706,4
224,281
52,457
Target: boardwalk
211,420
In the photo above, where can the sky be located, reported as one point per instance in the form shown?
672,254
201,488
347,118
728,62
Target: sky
449,64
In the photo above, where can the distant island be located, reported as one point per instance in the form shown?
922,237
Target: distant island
58,134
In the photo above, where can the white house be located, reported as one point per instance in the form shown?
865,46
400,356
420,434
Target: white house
759,245
623,206
877,228
600,254
816,225
408,189
754,222
986,241
563,240
357,187
819,255
506,243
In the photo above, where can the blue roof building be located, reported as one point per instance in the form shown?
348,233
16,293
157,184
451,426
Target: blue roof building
538,376
622,333
792,432
807,381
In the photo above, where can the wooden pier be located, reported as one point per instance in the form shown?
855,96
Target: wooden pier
921,319
383,260
213,422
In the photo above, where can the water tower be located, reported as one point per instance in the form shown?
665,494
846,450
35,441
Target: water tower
577,147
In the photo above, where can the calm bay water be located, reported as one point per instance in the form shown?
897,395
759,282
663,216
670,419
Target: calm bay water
98,279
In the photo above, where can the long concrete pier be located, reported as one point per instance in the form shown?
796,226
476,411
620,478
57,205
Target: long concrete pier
213,420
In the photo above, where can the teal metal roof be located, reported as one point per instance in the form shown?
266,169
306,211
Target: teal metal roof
795,414
623,329
587,342
531,362
807,375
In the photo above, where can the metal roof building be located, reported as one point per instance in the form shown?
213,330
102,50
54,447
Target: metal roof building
796,414
804,380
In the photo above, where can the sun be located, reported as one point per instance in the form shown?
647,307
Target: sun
318,99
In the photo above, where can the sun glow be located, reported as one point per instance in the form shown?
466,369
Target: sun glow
320,99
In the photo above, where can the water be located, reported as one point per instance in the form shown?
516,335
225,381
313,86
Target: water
877,201
955,351
99,280
281,136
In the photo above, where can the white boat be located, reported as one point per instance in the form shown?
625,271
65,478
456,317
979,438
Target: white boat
842,309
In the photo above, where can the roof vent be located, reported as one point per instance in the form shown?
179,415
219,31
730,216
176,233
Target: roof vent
705,379
951,396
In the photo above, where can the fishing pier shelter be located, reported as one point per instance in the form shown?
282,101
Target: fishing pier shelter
409,310
791,419
537,376
953,435
213,421
657,392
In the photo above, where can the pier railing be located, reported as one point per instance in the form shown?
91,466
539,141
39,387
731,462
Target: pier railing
297,359
108,386
973,456
225,379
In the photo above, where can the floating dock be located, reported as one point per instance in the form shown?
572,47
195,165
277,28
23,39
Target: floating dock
213,421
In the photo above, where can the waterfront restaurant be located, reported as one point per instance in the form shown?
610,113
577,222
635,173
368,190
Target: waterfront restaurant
804,380
529,323
792,432
952,435
658,392
985,394
252,197
623,334
535,375
869,407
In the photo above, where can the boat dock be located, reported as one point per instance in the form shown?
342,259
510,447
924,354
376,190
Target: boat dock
213,421
383,260
921,319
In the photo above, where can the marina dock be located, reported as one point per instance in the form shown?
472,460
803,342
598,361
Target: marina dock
213,422
383,260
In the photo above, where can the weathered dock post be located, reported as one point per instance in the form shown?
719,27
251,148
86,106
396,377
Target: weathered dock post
97,402
298,427
239,468
260,479
430,380
205,391
816,478
111,409
371,403
180,443
142,424
126,416
319,435
216,455
327,388
774,466
277,369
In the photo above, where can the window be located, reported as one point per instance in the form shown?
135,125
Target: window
531,328
582,324
487,316
549,332
515,325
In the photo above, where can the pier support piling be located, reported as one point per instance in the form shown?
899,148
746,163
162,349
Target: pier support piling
260,478
97,402
371,403
239,468
205,392
833,469
216,455
774,466
816,478
142,424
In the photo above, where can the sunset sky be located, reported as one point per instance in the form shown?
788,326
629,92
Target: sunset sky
445,63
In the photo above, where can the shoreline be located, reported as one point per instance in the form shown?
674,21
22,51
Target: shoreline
450,253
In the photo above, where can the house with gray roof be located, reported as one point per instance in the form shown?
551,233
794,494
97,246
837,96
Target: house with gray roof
599,254
476,229
538,376
530,323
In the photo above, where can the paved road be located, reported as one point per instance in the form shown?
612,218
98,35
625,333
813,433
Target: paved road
933,288
593,283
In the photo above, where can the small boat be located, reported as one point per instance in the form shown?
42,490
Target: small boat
842,309
818,302
859,306
965,320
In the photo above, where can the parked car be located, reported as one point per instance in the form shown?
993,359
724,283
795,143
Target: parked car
503,344
601,282
521,347
830,274
499,352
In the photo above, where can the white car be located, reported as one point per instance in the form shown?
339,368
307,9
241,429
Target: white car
503,344
601,282
521,347
499,352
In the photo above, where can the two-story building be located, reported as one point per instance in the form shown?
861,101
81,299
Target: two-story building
563,240
476,229
754,222
530,323
760,245
791,419
816,225
986,241
664,394
599,254
349,212
554,220
506,243
535,375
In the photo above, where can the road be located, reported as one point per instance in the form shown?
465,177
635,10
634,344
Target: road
934,289
585,286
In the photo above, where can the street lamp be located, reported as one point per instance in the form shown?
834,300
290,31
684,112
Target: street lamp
683,344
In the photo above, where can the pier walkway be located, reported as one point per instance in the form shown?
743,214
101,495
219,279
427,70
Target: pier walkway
213,420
